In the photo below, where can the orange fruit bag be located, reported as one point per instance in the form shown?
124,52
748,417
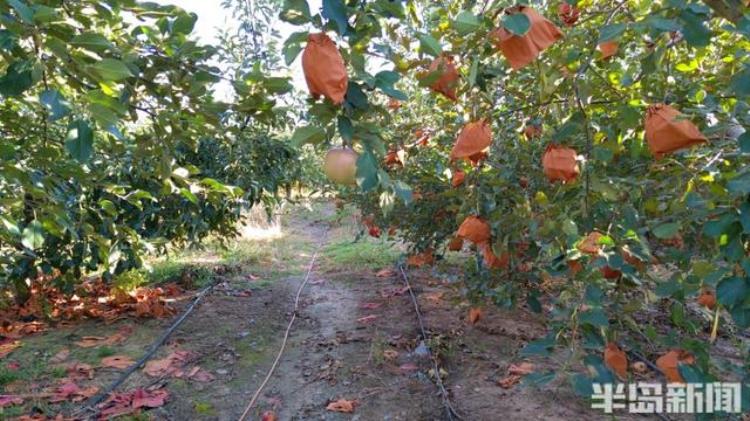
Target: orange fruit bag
458,178
491,260
616,360
472,141
456,244
608,49
448,80
667,131
474,229
325,71
560,163
522,50
669,364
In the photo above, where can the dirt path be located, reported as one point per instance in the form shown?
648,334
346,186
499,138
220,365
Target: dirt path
356,337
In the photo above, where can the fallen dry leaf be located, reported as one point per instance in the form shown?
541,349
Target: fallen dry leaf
119,362
70,391
509,381
200,375
61,356
385,273
616,360
390,354
367,319
8,347
707,299
342,405
128,402
521,369
169,366
77,370
371,306
8,400
475,315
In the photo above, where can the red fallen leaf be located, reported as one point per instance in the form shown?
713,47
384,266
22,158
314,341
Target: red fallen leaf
521,369
393,292
268,416
120,362
169,366
251,277
77,370
385,273
13,366
128,402
8,400
509,381
115,338
245,293
475,314
146,399
371,306
8,347
71,391
408,367
200,375
616,359
367,319
342,405
61,356
669,363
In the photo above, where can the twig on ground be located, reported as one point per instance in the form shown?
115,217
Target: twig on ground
450,411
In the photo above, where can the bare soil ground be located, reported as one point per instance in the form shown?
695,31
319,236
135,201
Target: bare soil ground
356,337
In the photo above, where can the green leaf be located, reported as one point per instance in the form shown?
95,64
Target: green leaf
517,23
296,12
33,235
187,194
80,141
666,231
92,41
108,207
307,134
10,226
694,29
55,103
293,46
595,317
744,141
17,79
385,81
740,184
582,385
429,45
466,22
24,11
663,25
403,191
110,69
335,10
184,24
540,346
740,85
610,32
367,171
346,130
732,291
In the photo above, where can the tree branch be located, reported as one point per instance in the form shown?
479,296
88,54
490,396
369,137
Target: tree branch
730,10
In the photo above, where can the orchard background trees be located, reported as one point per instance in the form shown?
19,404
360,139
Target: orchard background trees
663,231
113,145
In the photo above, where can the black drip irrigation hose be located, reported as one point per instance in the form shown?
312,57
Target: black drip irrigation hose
450,412
90,405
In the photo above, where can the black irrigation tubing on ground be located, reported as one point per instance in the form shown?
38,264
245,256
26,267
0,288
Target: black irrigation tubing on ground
90,405
450,412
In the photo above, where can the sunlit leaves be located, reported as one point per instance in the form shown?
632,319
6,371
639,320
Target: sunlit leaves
92,41
110,69
55,103
33,235
307,134
385,81
293,46
80,141
667,230
429,45
295,11
466,22
611,32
